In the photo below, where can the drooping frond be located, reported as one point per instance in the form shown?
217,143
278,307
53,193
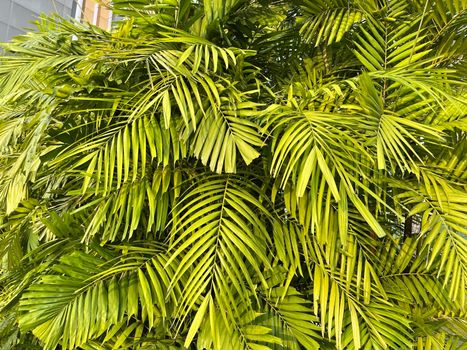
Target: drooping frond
258,175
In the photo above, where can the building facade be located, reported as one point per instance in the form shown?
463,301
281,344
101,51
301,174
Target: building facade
16,15
92,12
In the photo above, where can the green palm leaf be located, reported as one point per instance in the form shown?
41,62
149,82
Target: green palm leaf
261,174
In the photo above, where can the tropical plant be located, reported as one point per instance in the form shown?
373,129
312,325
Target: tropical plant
236,174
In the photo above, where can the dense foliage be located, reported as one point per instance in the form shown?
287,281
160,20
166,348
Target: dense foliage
236,174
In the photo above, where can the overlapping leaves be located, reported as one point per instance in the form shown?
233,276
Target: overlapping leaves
236,175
